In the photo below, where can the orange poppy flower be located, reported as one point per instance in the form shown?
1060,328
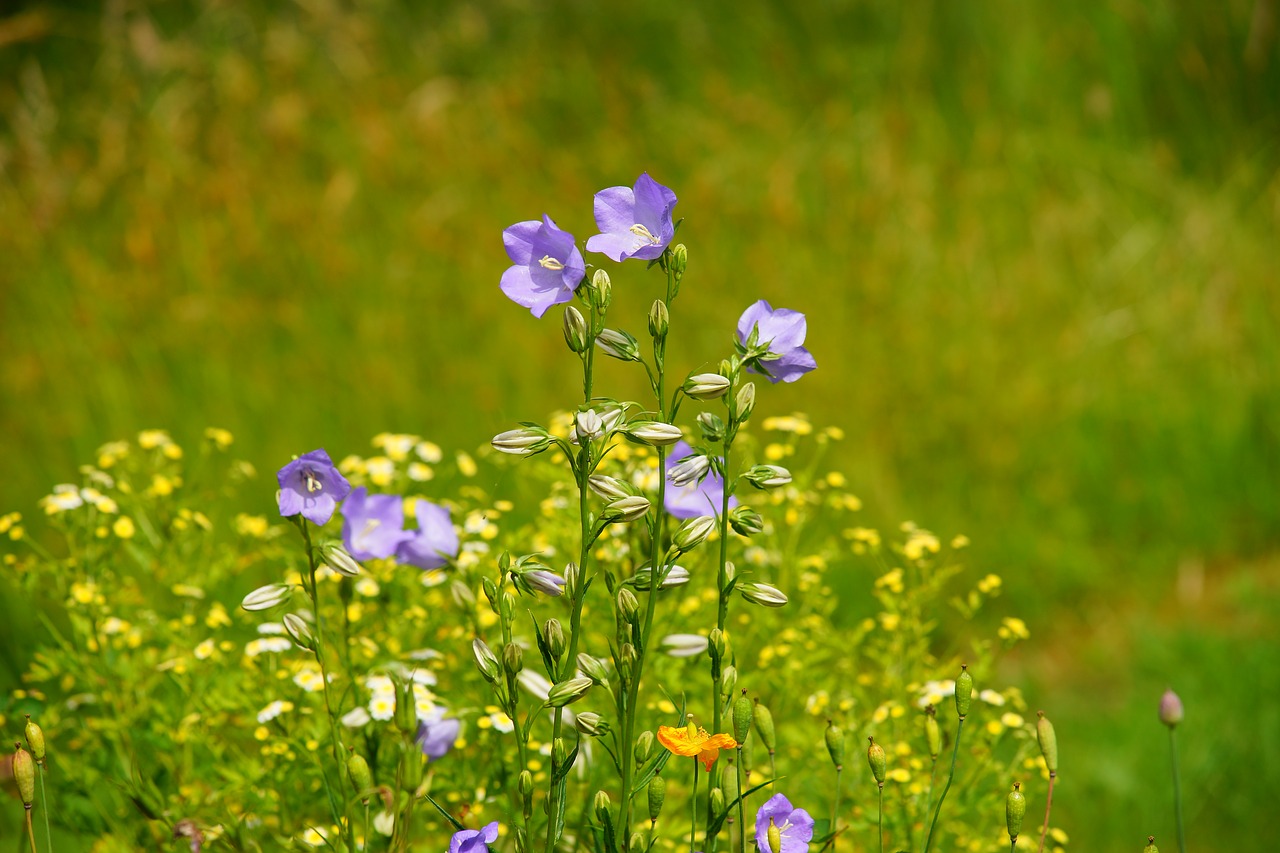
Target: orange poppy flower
693,741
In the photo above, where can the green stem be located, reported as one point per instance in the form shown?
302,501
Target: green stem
44,803
742,817
693,806
951,775
928,797
1177,791
31,833
1048,804
880,819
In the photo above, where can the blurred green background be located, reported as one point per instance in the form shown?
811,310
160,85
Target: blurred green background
1037,244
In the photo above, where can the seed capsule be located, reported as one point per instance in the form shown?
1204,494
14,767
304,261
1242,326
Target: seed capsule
1151,845
764,725
876,758
835,744
932,732
742,716
35,740
657,796
964,692
361,778
24,773
1015,808
1048,742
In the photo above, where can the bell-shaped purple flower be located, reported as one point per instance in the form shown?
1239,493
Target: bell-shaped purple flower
312,486
372,525
436,737
794,826
772,342
548,266
697,499
435,540
474,840
634,223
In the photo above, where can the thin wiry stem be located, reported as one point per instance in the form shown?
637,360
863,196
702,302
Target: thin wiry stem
1048,804
1177,791
44,802
951,775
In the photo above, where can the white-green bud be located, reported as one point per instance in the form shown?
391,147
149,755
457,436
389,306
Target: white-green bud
768,476
659,319
337,558
626,509
744,402
689,471
745,520
711,425
679,261
763,594
525,441
588,426
676,575
706,386
654,433
628,606
590,724
486,660
618,344
267,597
693,533
610,488
601,290
570,690
299,631
575,330
593,668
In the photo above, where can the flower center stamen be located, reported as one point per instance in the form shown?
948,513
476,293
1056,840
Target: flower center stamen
312,481
550,263
645,235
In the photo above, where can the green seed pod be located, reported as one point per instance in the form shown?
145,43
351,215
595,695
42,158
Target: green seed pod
876,758
35,740
602,805
742,716
745,752
835,744
406,713
24,773
657,796
932,732
1151,845
964,692
644,747
361,778
717,801
413,761
764,725
1015,808
730,781
1048,742
774,834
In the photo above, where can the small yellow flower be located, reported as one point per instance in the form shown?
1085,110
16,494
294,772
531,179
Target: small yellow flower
221,438
466,465
161,486
989,584
1013,628
205,650
124,527
251,525
150,439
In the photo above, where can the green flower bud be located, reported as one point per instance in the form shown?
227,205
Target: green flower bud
932,732
742,717
524,784
654,433
590,724
486,660
679,261
657,796
835,744
626,661
602,807
659,319
593,668
490,588
637,841
728,679
644,747
745,521
361,778
299,631
628,606
24,773
717,642
768,476
711,426
964,692
1048,742
1151,845
618,344
763,594
876,758
575,330
717,801
413,767
559,752
1015,808
744,402
626,509
764,725
337,558
406,713
730,781
35,740
693,533
267,597
706,386
601,291
610,488
512,658
526,441
553,633
568,691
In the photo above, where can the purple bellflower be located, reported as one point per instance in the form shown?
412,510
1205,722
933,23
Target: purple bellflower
312,486
373,525
474,840
548,266
696,499
772,342
435,540
436,737
794,826
634,223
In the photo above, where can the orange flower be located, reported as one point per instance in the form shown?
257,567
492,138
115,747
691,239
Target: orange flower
693,741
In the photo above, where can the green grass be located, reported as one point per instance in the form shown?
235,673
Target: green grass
1036,246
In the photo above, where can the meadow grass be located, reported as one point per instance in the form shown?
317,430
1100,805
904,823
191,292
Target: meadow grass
1036,245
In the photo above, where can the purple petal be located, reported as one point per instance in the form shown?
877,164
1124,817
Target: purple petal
615,211
373,525
518,240
519,286
318,508
490,832
434,541
436,739
757,312
290,501
653,204
614,245
777,807
792,366
785,328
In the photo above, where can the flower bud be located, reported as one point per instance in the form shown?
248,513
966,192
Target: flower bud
1170,709
745,521
572,576
337,558
626,509
876,758
628,606
588,426
654,433
693,533
590,724
659,319
618,344
35,740
728,679
763,594
676,576
764,725
644,747
361,778
932,732
835,744
601,291
610,488
626,660
24,773
1151,845
267,597
964,692
568,691
593,668
1048,742
717,801
706,386
711,426
657,796
525,783
689,470
486,660
637,841
526,441
742,716
559,752
406,712
541,580
512,658
768,476
731,781
717,643
462,595
744,402
553,634
575,330
413,766
602,806
679,261
299,631
1015,808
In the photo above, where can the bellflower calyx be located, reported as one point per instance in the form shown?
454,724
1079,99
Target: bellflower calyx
772,342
